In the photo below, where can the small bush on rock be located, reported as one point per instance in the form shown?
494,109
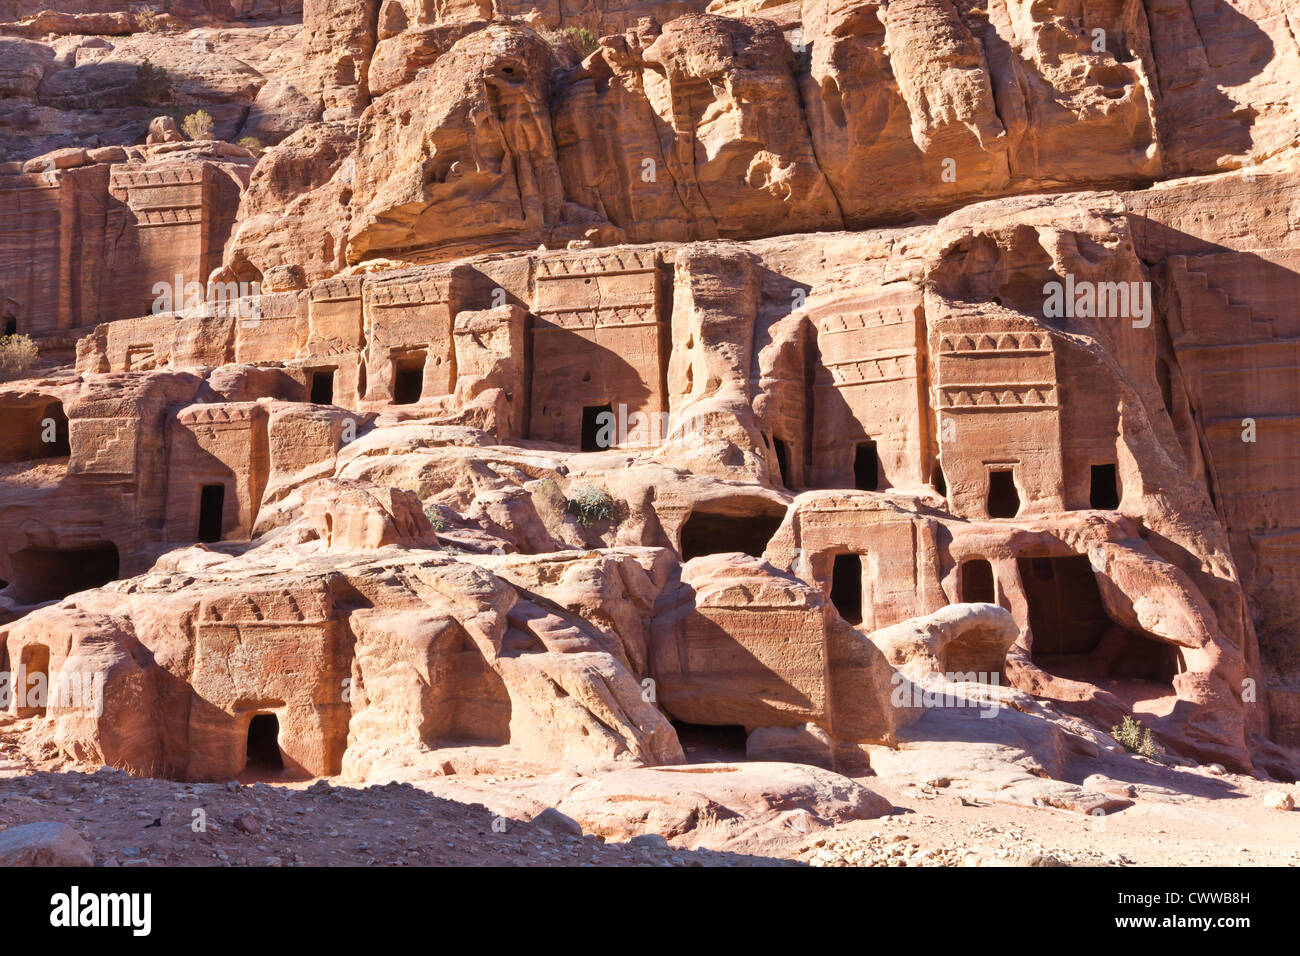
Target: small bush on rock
435,518
18,353
198,126
583,39
592,506
149,21
1135,738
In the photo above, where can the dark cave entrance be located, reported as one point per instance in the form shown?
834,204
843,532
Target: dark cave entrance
591,426
212,507
977,584
705,533
846,587
1103,488
1004,500
866,467
711,743
51,574
1073,636
322,386
54,432
408,379
782,450
33,432
263,750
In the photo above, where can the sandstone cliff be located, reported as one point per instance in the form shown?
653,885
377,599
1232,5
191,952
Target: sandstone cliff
546,383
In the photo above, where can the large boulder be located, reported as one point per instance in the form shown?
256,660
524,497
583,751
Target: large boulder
44,844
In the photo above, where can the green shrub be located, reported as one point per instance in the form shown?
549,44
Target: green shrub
18,353
435,518
152,85
198,126
583,39
1135,738
252,144
149,21
592,506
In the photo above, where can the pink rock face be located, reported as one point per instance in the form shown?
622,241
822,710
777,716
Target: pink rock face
162,129
611,389
664,126
465,151
730,799
353,516
152,224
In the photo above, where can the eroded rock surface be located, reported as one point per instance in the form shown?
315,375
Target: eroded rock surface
567,404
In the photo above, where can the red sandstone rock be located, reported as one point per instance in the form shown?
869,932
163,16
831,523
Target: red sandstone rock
162,129
43,844
475,426
718,803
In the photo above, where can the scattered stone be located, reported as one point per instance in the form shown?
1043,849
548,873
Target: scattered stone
43,844
649,841
557,822
1279,800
